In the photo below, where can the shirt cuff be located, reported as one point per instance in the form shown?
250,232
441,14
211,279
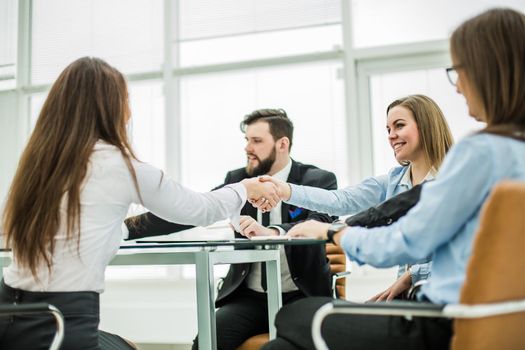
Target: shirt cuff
349,243
419,272
125,231
295,193
236,216
282,232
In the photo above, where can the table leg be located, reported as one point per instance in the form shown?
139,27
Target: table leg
273,276
205,302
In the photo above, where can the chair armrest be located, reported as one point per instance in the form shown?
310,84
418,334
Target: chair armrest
409,310
416,287
38,308
23,309
337,276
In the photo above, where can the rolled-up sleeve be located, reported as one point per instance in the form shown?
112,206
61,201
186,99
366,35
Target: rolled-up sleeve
419,272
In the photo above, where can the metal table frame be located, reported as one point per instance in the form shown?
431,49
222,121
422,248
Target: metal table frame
204,255
204,259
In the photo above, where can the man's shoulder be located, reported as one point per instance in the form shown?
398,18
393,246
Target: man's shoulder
312,170
311,175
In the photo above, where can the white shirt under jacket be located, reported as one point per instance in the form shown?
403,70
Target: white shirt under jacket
106,195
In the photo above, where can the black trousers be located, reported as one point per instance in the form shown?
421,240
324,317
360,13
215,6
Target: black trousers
245,315
81,314
357,332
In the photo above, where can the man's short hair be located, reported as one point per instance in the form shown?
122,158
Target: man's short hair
279,123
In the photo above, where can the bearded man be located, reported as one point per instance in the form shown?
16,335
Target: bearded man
242,300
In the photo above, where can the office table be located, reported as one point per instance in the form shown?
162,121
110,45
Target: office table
204,255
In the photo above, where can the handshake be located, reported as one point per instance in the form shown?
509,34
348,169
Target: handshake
265,192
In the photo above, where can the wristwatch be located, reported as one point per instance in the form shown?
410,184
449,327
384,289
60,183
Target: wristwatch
333,229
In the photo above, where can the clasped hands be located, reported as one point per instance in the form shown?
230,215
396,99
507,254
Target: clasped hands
264,193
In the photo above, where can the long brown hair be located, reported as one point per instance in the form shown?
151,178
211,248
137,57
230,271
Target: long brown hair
490,48
88,102
434,134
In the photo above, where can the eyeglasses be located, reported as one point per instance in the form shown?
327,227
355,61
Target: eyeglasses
452,74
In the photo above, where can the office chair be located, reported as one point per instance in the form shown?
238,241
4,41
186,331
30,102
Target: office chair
491,311
37,308
337,259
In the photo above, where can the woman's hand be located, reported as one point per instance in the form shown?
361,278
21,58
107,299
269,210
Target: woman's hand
265,193
310,229
402,284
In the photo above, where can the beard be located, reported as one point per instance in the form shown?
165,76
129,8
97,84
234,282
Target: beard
264,165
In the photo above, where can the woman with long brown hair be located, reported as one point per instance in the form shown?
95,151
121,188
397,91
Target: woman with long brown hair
488,55
75,181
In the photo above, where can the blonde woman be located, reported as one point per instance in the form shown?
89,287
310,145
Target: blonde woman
420,138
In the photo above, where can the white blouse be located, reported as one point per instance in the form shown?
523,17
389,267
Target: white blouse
106,195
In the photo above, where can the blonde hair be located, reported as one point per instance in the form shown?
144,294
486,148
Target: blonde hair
434,134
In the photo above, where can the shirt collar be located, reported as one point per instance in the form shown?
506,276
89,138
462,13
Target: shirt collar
284,172
405,180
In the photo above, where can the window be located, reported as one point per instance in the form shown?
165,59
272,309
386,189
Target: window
126,33
147,122
236,30
212,142
8,15
387,22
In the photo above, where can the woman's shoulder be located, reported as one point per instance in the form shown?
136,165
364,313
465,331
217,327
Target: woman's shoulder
393,176
482,143
397,171
107,159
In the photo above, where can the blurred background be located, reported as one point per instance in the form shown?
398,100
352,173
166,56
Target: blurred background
196,67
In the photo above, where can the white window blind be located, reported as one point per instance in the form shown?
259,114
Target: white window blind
213,32
126,33
387,22
201,19
8,15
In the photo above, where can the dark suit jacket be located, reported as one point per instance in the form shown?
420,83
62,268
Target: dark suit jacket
308,265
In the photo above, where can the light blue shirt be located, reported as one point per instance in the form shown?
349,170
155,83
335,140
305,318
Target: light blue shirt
353,199
444,221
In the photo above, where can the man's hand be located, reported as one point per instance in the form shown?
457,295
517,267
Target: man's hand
402,284
265,193
250,227
310,229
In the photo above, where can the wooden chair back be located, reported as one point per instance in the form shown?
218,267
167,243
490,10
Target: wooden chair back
495,272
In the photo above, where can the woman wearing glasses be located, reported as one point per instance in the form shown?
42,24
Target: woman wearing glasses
420,138
75,182
488,52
